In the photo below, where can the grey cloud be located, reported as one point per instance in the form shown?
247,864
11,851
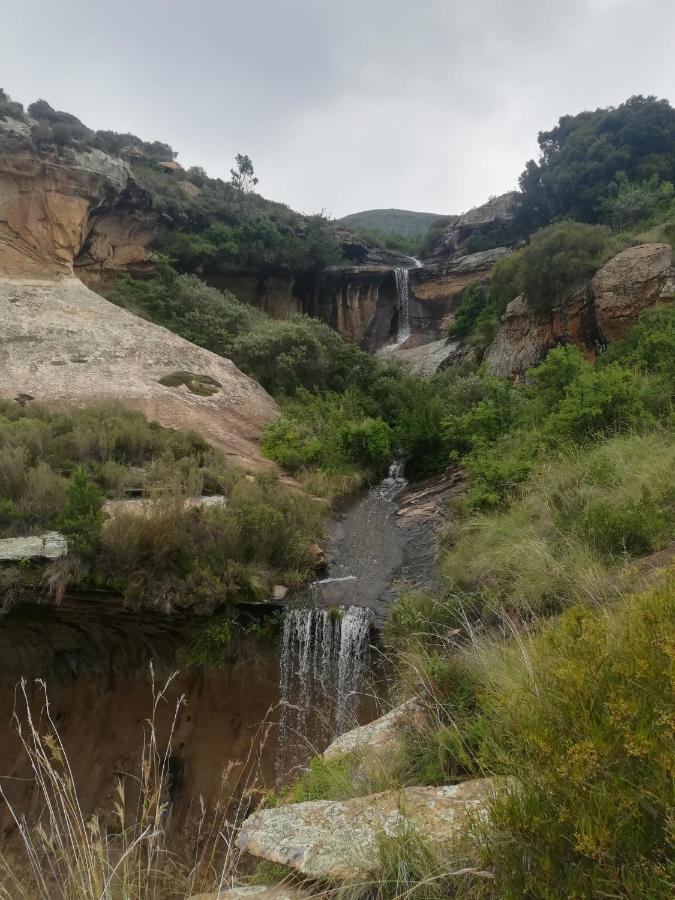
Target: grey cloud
342,106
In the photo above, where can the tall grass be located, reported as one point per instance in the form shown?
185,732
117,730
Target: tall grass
129,850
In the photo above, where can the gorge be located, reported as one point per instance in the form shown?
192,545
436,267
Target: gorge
322,565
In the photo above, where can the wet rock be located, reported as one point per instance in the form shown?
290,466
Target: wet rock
340,840
260,891
428,358
380,737
630,282
50,545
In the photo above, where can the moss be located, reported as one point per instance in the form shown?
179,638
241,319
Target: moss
202,385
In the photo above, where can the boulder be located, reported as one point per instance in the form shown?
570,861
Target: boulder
485,218
260,891
426,359
334,840
62,344
380,737
519,342
50,545
630,282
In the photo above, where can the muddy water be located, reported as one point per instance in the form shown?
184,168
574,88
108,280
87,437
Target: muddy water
94,657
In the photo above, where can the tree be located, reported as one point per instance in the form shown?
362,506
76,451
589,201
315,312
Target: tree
82,518
243,177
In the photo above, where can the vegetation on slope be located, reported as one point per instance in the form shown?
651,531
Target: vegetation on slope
56,469
403,222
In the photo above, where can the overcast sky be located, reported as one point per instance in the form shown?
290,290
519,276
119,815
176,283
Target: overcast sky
343,105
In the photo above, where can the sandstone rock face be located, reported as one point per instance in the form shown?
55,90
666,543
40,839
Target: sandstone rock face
63,344
497,211
50,545
436,289
590,315
426,359
338,840
519,342
380,737
57,209
630,282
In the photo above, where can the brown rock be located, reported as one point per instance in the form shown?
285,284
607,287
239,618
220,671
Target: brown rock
57,209
630,282
260,891
65,345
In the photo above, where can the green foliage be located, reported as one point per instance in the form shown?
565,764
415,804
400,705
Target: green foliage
582,159
560,541
629,203
582,717
474,304
81,520
55,469
559,258
401,223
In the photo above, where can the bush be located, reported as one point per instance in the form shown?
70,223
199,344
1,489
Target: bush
559,258
581,717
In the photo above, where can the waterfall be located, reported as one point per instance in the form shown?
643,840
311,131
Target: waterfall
402,279
323,659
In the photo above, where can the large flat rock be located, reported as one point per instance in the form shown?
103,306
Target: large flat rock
50,545
65,345
259,891
335,840
379,737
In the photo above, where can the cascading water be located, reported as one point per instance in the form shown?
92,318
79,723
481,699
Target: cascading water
325,646
323,658
402,279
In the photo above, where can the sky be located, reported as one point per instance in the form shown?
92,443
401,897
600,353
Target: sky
342,105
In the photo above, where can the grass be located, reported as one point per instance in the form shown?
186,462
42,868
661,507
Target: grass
563,540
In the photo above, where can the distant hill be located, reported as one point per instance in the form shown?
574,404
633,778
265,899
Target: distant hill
391,221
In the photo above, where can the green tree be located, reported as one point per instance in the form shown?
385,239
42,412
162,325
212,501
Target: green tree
243,177
82,518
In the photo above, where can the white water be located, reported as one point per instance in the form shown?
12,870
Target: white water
324,655
325,645
402,279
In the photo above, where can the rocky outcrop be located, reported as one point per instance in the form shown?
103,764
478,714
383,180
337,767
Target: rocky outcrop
259,891
50,545
485,219
590,316
331,840
66,209
630,282
436,289
379,738
65,345
426,359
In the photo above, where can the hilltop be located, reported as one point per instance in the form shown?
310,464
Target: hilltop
405,222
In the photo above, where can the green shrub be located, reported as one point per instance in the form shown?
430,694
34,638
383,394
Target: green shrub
81,519
559,258
582,718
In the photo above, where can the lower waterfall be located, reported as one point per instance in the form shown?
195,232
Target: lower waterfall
325,653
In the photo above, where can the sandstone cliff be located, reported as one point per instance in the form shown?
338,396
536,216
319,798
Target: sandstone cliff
67,210
590,316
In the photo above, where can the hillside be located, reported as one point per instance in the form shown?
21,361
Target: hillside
406,222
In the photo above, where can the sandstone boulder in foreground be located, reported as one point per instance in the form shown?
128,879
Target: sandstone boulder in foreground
380,737
336,840
259,891
62,344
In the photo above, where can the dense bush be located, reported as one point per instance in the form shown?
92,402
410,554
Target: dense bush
57,468
582,718
582,157
559,258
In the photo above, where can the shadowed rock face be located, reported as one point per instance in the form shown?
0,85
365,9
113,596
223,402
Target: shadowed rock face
63,344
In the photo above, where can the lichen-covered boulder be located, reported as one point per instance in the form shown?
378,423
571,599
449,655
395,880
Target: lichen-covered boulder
332,840
259,891
380,737
50,545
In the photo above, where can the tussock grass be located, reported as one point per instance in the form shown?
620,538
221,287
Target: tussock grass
577,521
